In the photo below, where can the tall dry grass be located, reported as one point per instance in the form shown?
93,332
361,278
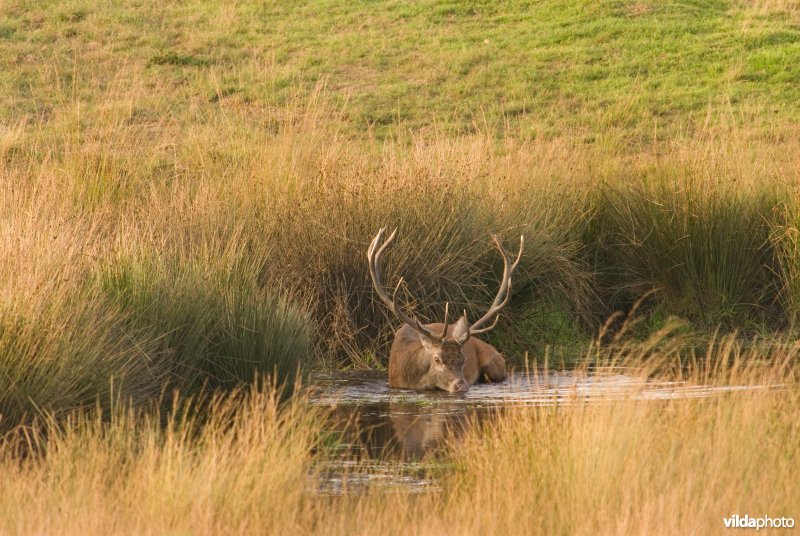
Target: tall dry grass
627,467
786,241
222,240
246,464
214,253
232,466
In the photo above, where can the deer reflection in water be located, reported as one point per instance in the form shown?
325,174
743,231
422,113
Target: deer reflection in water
403,430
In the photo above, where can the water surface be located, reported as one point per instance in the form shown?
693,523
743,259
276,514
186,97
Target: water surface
397,432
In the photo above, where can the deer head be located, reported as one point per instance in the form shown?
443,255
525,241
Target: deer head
444,347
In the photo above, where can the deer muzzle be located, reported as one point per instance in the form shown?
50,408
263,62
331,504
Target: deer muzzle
458,386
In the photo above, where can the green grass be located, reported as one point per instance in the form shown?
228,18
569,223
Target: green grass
69,352
551,68
143,328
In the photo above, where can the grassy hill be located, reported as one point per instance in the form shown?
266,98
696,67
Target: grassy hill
547,68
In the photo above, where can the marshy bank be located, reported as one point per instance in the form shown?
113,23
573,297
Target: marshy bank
193,209
132,263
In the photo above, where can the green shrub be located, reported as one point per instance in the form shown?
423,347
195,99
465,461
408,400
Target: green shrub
703,248
71,351
213,327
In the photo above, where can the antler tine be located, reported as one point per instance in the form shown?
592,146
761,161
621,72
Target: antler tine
411,321
374,254
519,254
388,241
484,330
493,311
375,241
504,292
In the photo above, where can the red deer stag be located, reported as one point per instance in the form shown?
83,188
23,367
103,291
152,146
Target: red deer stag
438,356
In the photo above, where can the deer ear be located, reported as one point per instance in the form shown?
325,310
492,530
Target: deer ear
427,342
461,330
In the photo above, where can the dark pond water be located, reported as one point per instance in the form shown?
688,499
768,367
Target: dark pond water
389,436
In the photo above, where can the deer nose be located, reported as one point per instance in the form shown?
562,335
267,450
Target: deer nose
458,386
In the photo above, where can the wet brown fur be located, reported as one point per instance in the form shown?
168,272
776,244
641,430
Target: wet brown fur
410,364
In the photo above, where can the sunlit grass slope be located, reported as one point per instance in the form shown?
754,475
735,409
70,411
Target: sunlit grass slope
644,69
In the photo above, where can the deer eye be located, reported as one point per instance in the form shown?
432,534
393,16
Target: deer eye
437,360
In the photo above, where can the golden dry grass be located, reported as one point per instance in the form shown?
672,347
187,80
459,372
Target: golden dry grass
621,466
218,249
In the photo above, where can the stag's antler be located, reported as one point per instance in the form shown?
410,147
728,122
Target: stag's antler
374,254
504,293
